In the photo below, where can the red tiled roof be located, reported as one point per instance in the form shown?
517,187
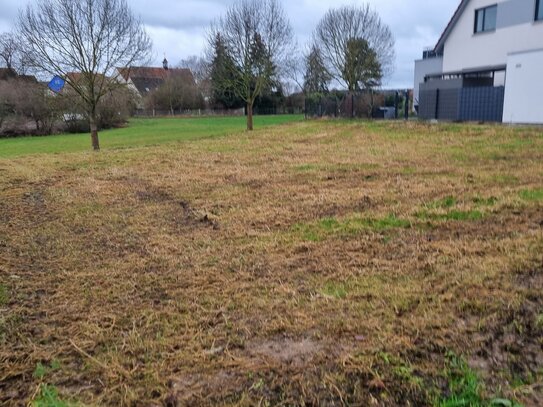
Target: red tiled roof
147,79
143,72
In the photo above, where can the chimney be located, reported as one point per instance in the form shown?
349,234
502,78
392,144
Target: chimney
165,63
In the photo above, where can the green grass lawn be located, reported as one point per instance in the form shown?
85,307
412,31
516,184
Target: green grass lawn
139,132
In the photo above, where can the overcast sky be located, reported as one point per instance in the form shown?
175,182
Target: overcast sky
178,27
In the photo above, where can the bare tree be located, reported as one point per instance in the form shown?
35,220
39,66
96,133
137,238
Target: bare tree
11,53
33,102
200,69
335,38
24,100
257,37
178,92
9,50
88,37
294,72
198,66
113,110
5,108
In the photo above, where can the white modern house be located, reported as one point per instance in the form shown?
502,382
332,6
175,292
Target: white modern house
487,65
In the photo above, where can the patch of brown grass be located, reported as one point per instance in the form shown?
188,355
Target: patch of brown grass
256,268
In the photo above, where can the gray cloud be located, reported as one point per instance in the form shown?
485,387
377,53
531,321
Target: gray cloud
178,27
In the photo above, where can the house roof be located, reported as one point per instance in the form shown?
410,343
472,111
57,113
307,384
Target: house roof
134,72
147,79
8,73
28,78
441,43
146,85
77,79
78,76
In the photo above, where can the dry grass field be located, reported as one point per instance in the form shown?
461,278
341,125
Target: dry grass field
311,263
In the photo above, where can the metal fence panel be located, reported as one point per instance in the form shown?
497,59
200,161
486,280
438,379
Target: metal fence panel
448,104
428,104
482,104
462,104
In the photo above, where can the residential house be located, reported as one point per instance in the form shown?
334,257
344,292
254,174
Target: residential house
486,66
145,80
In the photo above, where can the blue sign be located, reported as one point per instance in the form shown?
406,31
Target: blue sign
57,84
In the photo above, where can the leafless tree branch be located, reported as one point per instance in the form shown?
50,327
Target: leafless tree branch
341,26
90,38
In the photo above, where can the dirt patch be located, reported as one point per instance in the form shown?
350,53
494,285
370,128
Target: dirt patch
193,217
153,195
285,351
192,389
513,343
34,198
268,357
532,279
330,210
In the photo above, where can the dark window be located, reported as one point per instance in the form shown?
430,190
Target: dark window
539,10
485,19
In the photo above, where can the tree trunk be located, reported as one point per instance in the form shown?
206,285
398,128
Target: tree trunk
94,133
249,116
